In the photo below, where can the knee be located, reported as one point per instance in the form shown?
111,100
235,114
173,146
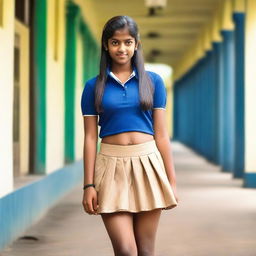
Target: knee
126,251
145,252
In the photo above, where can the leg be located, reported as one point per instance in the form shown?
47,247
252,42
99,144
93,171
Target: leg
119,226
145,228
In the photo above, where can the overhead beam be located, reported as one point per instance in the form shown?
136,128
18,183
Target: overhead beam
177,44
163,36
171,20
170,30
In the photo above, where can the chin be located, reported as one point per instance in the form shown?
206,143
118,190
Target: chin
123,62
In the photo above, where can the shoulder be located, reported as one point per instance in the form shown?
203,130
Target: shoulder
160,93
156,78
91,82
89,86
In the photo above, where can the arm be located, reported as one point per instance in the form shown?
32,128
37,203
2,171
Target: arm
90,201
90,147
163,144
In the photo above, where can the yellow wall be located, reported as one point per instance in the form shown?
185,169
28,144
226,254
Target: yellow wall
6,97
88,12
55,85
226,15
79,130
1,13
23,32
239,5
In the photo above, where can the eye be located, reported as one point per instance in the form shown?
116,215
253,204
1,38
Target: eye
114,43
129,42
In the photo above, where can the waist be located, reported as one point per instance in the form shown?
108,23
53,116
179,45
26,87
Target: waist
127,138
128,150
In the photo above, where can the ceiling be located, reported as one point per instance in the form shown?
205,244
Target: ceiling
173,29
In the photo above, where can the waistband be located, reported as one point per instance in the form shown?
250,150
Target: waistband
128,150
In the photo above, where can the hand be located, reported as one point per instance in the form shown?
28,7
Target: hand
90,202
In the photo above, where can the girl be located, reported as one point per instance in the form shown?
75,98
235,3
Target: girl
132,178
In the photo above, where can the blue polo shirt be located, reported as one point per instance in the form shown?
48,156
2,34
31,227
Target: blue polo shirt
121,104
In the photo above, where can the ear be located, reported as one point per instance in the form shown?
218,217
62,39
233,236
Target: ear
137,45
105,46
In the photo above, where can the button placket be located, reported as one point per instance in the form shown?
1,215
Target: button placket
125,91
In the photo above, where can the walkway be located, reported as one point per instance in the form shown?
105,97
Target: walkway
215,217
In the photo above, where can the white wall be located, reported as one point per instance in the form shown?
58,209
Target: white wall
6,98
250,88
55,88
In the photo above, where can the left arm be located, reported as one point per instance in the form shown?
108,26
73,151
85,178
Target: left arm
163,144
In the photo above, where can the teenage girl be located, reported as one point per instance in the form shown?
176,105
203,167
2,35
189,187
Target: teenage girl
131,178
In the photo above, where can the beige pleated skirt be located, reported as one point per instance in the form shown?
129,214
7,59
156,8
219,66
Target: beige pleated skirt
131,178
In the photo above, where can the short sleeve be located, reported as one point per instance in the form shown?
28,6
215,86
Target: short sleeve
159,93
87,100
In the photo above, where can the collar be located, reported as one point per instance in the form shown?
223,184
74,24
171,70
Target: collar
134,70
117,79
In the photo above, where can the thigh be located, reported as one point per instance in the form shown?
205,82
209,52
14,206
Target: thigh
145,228
119,226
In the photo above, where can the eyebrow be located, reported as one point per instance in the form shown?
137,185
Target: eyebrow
120,40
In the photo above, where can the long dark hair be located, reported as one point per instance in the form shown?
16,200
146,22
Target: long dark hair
145,84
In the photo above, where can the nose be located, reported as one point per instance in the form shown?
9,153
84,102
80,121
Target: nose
121,47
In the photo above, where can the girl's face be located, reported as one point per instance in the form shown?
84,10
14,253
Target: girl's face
121,47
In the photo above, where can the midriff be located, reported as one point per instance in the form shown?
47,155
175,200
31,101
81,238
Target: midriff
127,138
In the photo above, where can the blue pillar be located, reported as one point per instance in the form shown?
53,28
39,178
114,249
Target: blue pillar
228,97
215,93
221,105
238,168
211,122
216,108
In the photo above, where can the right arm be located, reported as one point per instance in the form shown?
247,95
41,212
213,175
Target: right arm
90,118
89,155
90,147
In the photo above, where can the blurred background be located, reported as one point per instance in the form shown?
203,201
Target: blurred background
205,50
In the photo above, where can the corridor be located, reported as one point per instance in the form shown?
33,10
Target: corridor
215,217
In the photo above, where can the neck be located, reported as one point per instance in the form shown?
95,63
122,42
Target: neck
121,68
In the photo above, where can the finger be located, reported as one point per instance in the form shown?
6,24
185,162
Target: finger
90,208
95,204
85,207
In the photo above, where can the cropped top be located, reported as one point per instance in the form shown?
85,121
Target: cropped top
121,104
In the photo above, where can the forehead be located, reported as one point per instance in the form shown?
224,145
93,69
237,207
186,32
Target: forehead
122,34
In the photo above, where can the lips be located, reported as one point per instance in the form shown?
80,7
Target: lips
121,55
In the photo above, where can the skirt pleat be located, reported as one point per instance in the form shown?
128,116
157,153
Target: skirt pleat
131,178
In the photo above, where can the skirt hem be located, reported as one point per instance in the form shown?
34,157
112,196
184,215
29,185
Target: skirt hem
137,211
